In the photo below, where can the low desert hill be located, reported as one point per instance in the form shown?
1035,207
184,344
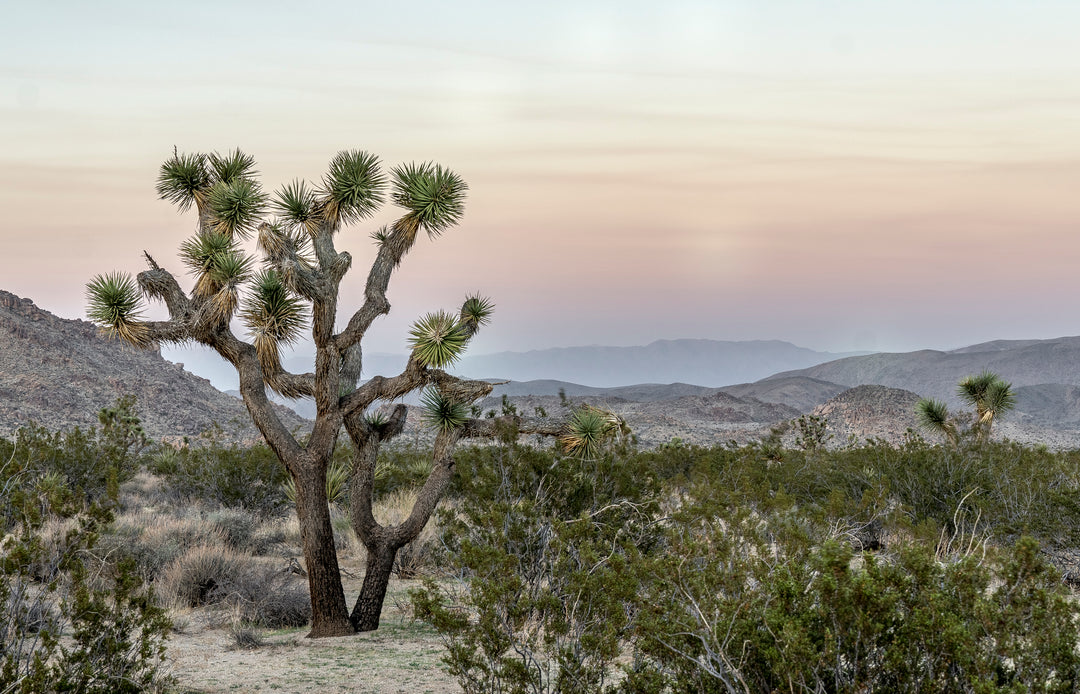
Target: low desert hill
869,411
59,373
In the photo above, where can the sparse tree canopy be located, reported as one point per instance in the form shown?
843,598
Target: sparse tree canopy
295,286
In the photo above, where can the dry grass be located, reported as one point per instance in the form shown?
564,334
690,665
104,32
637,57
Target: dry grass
414,559
246,634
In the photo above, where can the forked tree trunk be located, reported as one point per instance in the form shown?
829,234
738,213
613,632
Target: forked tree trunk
368,608
329,613
383,543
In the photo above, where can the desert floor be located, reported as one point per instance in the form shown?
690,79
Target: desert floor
402,656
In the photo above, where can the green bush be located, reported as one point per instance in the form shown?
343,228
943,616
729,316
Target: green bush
739,569
116,632
731,609
230,475
92,463
546,542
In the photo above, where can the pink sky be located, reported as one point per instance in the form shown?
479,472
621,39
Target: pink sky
840,174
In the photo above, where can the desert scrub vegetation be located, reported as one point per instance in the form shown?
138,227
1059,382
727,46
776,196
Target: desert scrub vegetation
70,618
754,569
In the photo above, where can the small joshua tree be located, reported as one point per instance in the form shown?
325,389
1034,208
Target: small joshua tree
297,285
986,392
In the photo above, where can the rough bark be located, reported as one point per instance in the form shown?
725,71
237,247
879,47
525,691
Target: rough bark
329,613
368,608
382,543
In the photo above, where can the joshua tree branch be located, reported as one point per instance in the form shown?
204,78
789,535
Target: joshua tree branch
391,251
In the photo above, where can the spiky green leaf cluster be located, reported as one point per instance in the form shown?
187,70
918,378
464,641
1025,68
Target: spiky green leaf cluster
182,179
475,312
587,431
931,414
272,314
211,257
999,397
381,235
236,207
114,302
231,167
297,206
438,339
353,186
441,412
972,389
201,250
229,270
434,196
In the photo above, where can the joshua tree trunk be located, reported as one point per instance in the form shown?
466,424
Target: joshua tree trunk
368,608
329,614
382,543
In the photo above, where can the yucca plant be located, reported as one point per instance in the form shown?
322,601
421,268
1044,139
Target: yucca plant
933,416
441,412
589,430
297,291
115,303
990,396
438,339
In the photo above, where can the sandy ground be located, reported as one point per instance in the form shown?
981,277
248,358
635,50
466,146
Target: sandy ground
401,656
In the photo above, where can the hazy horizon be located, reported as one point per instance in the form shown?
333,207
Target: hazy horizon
839,175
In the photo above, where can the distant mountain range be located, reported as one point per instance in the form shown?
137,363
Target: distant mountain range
60,372
701,362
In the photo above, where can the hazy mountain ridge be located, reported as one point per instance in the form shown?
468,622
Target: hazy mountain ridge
707,363
933,373
59,373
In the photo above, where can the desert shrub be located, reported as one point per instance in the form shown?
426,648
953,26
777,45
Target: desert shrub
259,593
92,463
203,574
546,542
244,637
115,632
153,541
236,525
268,537
267,597
228,475
735,606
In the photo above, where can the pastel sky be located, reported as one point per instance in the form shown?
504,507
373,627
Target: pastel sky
840,174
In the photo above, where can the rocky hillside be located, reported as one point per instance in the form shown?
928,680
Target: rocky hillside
869,412
60,372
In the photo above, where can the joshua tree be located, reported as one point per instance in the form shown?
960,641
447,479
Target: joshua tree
933,415
298,284
990,396
986,392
